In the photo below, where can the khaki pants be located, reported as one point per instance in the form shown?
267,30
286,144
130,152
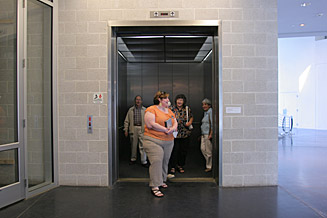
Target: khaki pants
158,152
206,149
137,138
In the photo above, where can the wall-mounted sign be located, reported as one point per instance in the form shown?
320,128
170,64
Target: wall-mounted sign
233,110
97,98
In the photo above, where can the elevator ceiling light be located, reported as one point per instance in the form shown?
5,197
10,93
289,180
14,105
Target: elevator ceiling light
186,36
204,50
164,49
209,53
121,55
143,37
302,25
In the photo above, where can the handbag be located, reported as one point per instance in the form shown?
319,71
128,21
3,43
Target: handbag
190,127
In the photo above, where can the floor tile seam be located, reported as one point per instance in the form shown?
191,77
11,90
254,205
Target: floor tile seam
320,213
29,207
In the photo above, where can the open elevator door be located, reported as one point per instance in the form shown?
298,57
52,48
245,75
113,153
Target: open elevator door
179,57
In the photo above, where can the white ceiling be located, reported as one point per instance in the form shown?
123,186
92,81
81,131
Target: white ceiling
291,14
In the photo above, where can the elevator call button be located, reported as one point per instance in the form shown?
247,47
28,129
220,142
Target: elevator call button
89,124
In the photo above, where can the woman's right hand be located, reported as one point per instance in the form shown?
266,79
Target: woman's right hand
188,123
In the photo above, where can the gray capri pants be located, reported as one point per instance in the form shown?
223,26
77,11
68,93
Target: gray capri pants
158,152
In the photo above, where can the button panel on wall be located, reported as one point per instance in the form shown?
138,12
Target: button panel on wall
89,124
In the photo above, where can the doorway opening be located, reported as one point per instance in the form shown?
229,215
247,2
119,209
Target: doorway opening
178,59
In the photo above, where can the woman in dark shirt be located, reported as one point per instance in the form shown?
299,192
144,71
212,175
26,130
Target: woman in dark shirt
184,119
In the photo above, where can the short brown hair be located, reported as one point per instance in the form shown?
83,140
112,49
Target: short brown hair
161,95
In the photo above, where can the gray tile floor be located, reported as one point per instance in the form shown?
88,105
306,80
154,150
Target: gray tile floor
302,192
303,168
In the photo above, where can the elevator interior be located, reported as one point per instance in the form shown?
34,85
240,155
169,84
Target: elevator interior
177,60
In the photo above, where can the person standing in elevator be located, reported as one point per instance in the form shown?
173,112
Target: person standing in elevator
134,126
206,133
160,123
184,119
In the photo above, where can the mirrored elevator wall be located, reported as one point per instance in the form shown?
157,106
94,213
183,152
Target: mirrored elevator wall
193,79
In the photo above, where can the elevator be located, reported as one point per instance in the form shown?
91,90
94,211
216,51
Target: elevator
178,57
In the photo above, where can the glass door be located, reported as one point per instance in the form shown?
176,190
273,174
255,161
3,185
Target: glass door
38,94
26,99
12,183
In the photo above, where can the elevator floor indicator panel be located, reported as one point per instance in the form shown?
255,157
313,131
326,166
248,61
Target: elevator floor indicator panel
164,14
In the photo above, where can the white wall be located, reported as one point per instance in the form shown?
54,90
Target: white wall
321,87
302,81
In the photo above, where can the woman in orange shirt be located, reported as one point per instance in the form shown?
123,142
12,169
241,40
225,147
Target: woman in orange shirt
158,141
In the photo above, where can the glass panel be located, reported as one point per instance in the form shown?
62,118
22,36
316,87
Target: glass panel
8,167
8,83
39,95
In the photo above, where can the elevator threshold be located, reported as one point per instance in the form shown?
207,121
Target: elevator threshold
200,179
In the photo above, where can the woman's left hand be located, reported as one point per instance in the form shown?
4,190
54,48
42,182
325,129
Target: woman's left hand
170,131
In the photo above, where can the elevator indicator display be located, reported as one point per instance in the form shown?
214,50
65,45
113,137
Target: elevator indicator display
164,14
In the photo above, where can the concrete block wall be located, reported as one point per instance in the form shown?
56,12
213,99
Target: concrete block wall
249,60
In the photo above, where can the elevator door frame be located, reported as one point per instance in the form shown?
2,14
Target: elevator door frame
113,160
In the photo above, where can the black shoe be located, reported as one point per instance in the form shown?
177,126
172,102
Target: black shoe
146,165
132,162
172,171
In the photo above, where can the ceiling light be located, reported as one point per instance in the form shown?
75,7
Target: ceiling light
186,36
302,24
205,58
305,4
142,37
121,55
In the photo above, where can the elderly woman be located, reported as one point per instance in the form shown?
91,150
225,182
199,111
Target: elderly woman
206,133
158,141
